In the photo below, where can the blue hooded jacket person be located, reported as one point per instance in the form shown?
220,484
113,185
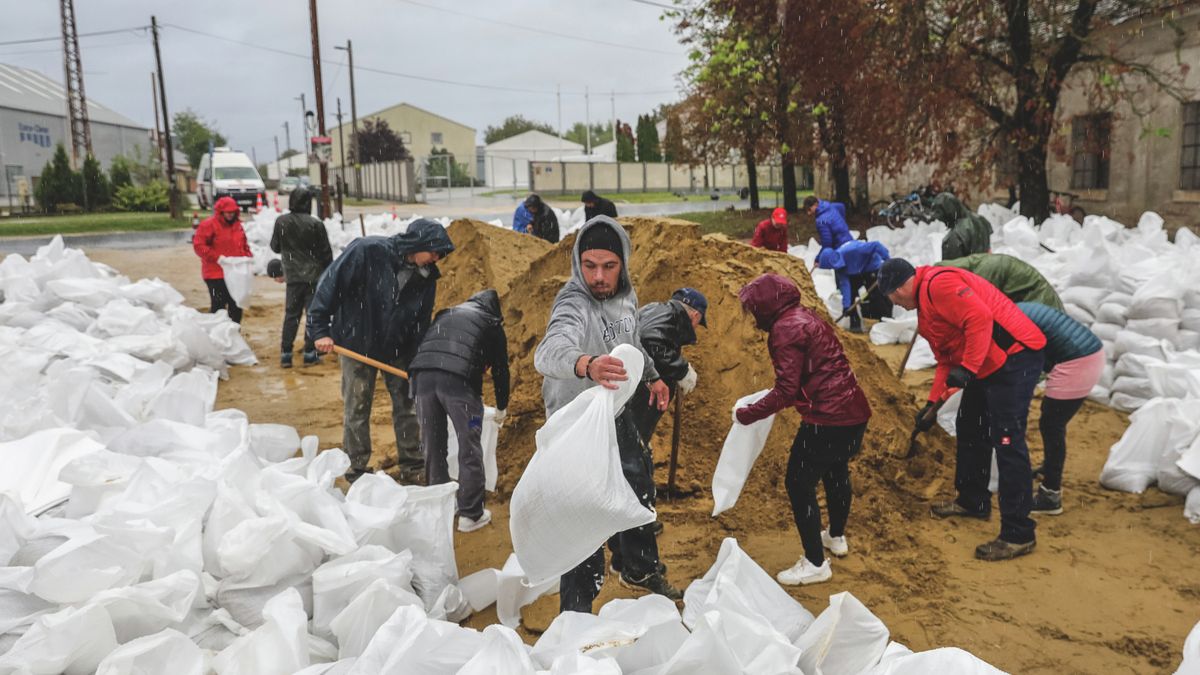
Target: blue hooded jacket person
832,230
852,259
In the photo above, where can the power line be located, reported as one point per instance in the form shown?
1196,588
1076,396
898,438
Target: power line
58,38
542,31
655,4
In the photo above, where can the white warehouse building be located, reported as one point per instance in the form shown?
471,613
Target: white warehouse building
506,162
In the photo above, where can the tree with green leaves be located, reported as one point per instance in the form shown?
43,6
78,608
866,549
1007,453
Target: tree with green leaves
460,176
58,184
513,125
193,134
625,149
119,174
97,192
145,169
378,143
648,149
600,132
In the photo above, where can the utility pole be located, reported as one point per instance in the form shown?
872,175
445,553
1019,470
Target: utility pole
276,137
287,135
158,146
558,95
303,123
162,92
342,149
77,112
353,123
316,56
587,119
612,101
254,156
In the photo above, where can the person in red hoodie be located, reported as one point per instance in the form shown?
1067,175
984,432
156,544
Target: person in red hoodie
772,234
985,346
220,235
812,375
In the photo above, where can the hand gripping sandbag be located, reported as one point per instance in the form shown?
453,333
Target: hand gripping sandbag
239,278
573,495
742,447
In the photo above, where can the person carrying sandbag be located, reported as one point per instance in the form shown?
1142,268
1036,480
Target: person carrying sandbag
220,235
1016,279
377,299
1075,362
303,243
813,375
986,347
594,312
447,380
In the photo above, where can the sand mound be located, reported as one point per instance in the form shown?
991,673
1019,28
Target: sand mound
485,256
731,359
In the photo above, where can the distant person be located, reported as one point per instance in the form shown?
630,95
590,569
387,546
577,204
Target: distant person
377,299
220,235
1075,361
855,266
304,244
969,233
1017,280
535,217
832,230
463,343
595,205
772,233
812,375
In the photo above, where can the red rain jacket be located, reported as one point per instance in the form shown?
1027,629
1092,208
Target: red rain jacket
770,236
214,238
811,370
969,322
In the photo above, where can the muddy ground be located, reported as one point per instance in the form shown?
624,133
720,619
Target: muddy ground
1113,586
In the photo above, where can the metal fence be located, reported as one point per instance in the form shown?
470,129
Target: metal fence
389,181
569,177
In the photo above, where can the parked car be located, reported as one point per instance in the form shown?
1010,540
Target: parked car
289,183
231,174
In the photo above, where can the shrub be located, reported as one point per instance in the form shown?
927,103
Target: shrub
149,197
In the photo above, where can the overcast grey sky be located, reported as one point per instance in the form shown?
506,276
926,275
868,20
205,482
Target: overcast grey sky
250,92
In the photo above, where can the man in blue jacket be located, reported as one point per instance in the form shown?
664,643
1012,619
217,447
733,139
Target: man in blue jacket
855,265
377,299
832,230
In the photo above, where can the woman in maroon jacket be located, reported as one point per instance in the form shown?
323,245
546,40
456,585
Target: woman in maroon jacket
813,375
220,235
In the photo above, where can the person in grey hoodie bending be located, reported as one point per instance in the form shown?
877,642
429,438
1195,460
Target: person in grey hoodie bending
594,312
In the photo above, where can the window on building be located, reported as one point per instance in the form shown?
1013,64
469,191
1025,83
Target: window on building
1090,151
435,138
1189,163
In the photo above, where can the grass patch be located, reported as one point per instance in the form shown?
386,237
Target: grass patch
740,223
765,197
88,223
350,201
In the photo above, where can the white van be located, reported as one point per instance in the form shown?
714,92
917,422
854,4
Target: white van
232,174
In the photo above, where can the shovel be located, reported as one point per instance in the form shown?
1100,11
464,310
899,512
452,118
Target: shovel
338,349
912,441
675,432
855,305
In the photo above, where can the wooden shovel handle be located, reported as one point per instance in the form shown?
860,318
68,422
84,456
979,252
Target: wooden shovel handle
338,349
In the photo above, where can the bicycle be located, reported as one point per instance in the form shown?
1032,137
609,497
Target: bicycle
1066,207
893,213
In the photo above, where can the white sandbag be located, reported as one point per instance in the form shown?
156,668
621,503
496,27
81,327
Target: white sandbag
1126,403
891,331
274,442
948,416
665,632
147,608
1104,330
845,639
165,651
731,642
1188,340
72,641
503,652
944,660
488,437
90,563
1085,298
358,620
508,588
338,581
1078,313
417,519
1112,313
244,601
1123,299
1100,395
1160,329
1160,424
580,633
279,646
1137,387
410,642
239,278
1173,380
1155,308
741,449
32,465
921,356
1190,320
736,583
1129,342
573,495
1191,511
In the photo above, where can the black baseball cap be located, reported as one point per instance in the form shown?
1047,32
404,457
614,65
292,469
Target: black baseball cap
694,299
894,273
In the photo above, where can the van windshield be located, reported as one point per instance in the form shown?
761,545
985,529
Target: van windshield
236,172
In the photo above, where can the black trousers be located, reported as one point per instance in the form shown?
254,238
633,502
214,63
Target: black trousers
296,298
876,305
636,548
219,298
1056,413
821,454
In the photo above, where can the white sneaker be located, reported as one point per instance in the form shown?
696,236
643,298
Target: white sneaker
466,524
804,572
836,545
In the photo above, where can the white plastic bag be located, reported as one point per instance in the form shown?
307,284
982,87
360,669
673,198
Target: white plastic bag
358,621
944,660
339,581
573,495
730,642
846,639
166,651
239,278
503,653
508,588
410,642
488,437
72,641
1157,427
743,445
279,646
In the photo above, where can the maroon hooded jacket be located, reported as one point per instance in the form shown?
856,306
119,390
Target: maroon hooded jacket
811,370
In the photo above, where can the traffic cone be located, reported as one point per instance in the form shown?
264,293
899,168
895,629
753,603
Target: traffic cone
394,212
276,201
195,219
258,203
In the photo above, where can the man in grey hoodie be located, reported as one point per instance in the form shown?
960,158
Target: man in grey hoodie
594,312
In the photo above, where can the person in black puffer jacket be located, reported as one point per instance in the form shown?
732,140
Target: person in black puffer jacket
544,224
304,245
447,373
664,329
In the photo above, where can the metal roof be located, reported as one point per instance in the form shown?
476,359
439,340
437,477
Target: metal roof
25,89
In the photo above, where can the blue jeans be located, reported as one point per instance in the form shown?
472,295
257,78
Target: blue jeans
993,416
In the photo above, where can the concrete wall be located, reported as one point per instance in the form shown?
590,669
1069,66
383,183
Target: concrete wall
548,177
418,126
391,181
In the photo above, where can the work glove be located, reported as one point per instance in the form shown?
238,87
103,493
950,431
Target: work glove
500,415
742,416
926,418
959,377
688,384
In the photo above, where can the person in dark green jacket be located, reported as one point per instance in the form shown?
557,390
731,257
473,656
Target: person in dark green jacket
1075,361
304,244
1015,278
969,233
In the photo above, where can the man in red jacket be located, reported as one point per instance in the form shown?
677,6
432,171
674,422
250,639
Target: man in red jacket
772,234
987,347
812,375
220,235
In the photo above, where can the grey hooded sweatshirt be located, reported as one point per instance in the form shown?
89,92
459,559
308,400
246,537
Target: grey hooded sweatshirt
580,324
